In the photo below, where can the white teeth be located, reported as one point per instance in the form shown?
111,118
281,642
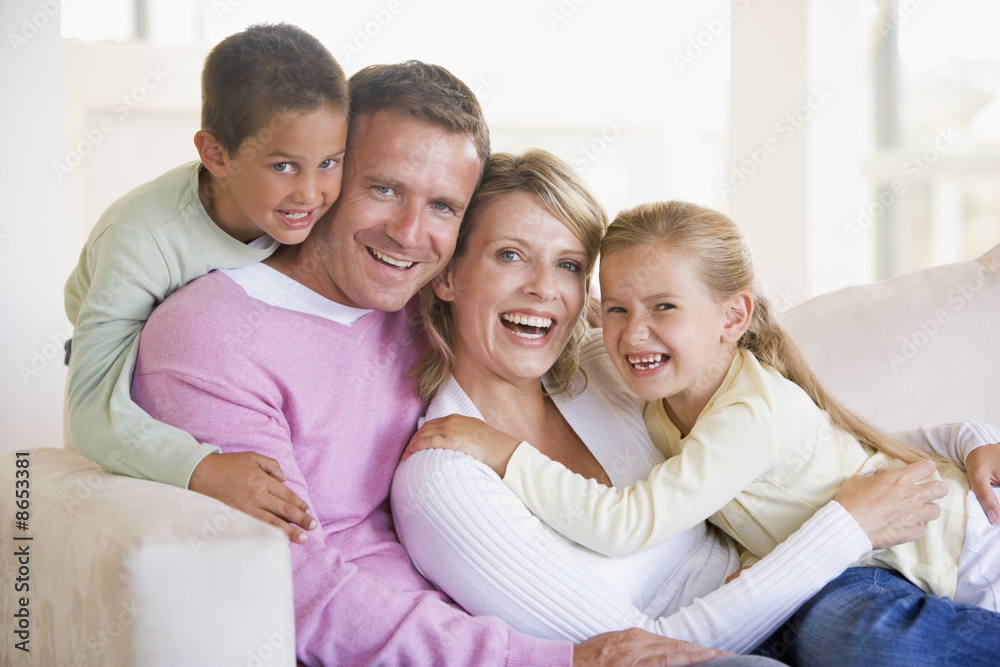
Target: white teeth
649,362
540,322
390,260
294,216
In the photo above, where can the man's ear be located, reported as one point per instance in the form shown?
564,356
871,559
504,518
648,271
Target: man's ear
442,285
212,154
736,317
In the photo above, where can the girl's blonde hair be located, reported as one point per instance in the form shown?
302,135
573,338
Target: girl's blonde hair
566,197
725,267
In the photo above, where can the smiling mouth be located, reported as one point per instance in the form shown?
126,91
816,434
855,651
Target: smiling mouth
297,218
647,362
389,261
525,326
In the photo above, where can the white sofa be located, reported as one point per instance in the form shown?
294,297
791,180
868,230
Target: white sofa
127,572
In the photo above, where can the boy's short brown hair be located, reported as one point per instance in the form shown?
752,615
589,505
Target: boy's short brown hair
426,92
252,77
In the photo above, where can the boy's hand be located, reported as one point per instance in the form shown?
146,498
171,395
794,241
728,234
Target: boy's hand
254,484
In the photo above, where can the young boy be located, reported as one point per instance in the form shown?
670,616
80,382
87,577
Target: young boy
274,129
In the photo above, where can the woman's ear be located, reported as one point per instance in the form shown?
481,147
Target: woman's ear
737,317
442,285
212,154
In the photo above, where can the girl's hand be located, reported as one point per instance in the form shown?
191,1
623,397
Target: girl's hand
983,468
735,574
467,435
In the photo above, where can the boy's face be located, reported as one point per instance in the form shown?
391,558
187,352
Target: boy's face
407,184
283,178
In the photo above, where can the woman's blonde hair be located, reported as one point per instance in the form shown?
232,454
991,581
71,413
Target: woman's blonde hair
725,267
566,197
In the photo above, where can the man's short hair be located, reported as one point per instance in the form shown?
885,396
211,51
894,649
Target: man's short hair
426,92
252,78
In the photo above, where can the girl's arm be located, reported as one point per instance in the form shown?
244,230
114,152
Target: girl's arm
728,451
468,533
679,493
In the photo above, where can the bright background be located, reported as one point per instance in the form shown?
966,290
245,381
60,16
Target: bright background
852,141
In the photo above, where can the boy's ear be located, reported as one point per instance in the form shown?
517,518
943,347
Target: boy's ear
736,317
212,155
442,285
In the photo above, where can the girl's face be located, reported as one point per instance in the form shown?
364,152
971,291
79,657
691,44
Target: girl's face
665,333
517,291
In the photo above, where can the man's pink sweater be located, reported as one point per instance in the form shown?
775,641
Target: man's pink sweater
332,404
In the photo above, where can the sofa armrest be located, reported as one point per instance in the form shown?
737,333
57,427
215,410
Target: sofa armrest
121,571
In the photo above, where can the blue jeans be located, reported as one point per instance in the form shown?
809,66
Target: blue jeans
871,616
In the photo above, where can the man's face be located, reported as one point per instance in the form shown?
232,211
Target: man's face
406,186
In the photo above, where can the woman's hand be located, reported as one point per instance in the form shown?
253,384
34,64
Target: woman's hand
892,506
735,574
467,435
983,468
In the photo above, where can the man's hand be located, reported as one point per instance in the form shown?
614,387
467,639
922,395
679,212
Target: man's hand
892,506
254,484
640,648
983,468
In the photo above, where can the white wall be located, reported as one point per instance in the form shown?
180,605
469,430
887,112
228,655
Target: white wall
32,227
622,90
637,94
798,115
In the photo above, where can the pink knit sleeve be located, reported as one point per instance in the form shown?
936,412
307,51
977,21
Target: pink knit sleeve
343,615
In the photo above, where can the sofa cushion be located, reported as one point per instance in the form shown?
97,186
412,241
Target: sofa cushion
914,350
130,572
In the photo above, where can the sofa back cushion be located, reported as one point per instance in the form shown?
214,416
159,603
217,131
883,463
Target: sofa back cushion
914,350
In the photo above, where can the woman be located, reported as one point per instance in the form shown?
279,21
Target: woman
509,346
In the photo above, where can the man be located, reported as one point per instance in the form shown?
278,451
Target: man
304,359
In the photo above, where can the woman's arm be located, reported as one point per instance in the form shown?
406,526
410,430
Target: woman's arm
954,442
976,445
468,533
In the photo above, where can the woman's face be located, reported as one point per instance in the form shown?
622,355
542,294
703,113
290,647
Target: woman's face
517,291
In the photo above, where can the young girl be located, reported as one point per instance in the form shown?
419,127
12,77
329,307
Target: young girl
754,443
